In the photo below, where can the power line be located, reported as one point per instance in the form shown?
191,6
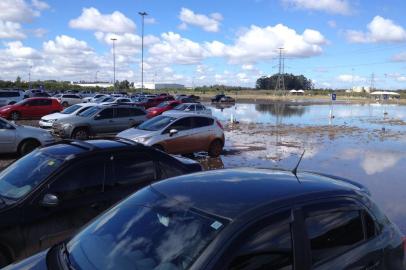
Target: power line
280,83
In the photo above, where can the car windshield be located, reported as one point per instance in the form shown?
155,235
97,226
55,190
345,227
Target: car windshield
71,109
163,104
181,107
138,237
89,112
25,174
156,123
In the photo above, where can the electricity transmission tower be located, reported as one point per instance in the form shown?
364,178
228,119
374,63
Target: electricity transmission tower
280,82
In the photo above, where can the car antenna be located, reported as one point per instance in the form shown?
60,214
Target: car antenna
294,171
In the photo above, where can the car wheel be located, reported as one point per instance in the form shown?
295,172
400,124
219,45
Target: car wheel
28,146
80,134
65,104
215,149
15,116
159,147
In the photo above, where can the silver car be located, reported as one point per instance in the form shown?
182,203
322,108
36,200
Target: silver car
100,119
189,108
180,134
48,120
21,139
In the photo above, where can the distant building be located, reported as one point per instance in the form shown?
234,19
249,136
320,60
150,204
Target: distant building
360,89
169,86
93,84
147,85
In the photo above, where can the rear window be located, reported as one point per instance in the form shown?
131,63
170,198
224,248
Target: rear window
202,122
5,94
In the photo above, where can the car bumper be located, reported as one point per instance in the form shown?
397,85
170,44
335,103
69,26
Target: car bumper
45,124
61,133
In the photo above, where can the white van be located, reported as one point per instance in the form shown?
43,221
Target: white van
9,97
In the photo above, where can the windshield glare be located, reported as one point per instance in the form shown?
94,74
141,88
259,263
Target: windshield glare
181,107
71,109
156,123
89,112
137,237
25,174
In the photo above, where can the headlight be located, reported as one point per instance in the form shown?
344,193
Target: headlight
5,109
141,139
66,126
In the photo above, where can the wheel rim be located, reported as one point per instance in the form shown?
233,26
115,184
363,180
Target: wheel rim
14,116
81,134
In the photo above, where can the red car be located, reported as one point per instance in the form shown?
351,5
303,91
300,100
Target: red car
163,107
31,108
153,102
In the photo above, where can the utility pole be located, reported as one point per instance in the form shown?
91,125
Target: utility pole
280,83
143,14
29,78
95,77
114,61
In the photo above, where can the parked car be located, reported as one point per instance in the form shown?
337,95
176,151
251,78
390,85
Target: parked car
70,99
163,107
105,99
48,120
86,94
94,98
32,92
153,102
217,98
188,100
227,99
100,119
31,108
189,108
50,193
10,97
236,219
41,94
21,139
180,134
118,100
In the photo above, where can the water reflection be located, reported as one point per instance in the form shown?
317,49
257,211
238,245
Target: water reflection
281,109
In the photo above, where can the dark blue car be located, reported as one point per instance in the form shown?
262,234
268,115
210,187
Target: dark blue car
236,219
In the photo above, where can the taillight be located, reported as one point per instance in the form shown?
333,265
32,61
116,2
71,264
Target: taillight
219,124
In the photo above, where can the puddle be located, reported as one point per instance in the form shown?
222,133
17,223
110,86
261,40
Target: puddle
361,143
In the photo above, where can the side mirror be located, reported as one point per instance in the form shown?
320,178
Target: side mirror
50,200
8,126
172,132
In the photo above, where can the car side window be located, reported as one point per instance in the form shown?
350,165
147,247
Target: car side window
123,112
181,124
333,233
199,107
106,114
80,180
132,169
199,122
168,170
370,226
136,112
3,125
267,246
45,102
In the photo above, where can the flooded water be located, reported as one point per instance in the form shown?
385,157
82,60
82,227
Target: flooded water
365,143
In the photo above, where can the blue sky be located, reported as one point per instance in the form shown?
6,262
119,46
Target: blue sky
336,43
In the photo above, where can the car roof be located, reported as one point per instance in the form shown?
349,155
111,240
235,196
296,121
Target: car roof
233,192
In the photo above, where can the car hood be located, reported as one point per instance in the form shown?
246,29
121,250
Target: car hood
5,107
132,133
36,262
53,116
27,130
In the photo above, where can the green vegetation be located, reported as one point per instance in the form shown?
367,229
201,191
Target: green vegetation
291,82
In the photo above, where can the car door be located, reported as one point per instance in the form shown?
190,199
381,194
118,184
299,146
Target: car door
130,172
104,121
342,235
266,244
122,119
137,116
181,142
7,137
45,107
78,191
202,133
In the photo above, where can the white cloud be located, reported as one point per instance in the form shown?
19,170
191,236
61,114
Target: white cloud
400,57
247,67
379,30
17,11
209,23
349,78
332,23
261,44
92,19
40,5
11,30
330,6
150,20
65,45
17,50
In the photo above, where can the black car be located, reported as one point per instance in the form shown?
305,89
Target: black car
217,98
48,194
236,219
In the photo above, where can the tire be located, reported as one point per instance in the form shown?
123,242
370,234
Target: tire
215,149
28,146
65,104
4,260
80,134
159,147
15,116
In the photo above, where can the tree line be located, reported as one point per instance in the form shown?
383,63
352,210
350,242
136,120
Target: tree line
291,82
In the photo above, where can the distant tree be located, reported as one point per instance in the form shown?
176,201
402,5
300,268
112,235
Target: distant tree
124,84
291,82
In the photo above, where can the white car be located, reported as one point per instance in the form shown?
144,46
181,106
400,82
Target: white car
183,108
48,120
180,134
10,97
96,97
117,100
21,139
67,100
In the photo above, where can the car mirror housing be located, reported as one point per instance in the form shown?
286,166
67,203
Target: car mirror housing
173,132
50,200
